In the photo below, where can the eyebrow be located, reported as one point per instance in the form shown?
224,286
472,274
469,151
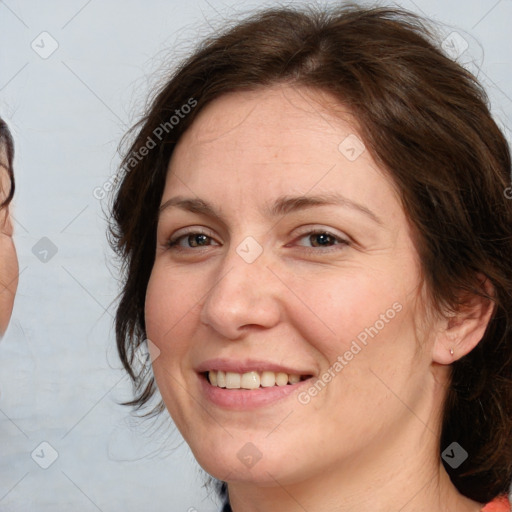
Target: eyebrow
193,205
281,206
287,204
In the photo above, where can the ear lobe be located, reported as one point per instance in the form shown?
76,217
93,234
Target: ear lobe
464,329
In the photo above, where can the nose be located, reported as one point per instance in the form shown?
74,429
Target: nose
245,297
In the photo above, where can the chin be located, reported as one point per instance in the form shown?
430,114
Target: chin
244,461
262,473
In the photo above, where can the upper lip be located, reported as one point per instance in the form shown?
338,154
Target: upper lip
247,365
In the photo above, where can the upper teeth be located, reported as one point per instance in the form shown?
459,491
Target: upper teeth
250,380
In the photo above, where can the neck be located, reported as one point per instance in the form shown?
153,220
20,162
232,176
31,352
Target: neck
391,475
426,495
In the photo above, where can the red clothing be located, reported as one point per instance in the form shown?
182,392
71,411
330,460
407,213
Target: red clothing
500,504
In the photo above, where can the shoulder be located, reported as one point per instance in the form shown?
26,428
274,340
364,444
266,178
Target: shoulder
499,504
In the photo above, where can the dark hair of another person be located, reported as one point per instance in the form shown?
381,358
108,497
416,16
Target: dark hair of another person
7,143
426,122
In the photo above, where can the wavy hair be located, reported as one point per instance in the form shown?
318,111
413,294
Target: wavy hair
426,121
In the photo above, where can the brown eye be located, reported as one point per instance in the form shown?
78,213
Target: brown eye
198,240
322,240
191,241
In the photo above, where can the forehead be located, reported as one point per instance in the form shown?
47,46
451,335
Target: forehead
3,154
246,117
272,142
5,180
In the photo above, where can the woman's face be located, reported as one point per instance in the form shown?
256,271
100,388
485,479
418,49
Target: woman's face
282,248
8,259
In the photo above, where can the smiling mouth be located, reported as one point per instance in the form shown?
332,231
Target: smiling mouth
252,380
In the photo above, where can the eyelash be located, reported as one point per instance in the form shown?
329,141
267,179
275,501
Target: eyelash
173,242
311,233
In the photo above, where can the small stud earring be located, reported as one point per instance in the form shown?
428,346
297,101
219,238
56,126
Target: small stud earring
451,351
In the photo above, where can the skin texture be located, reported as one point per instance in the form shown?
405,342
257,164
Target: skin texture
8,259
369,439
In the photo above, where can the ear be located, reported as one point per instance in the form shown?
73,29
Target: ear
463,330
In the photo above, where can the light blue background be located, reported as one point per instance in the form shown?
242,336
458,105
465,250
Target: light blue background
60,379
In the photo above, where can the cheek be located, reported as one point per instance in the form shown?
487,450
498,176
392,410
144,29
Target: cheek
170,309
362,328
345,306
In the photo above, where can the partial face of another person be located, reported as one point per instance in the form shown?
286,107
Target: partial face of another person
282,248
8,259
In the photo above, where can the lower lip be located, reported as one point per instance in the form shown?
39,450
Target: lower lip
246,399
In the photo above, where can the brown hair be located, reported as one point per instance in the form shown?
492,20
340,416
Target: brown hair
7,143
426,121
